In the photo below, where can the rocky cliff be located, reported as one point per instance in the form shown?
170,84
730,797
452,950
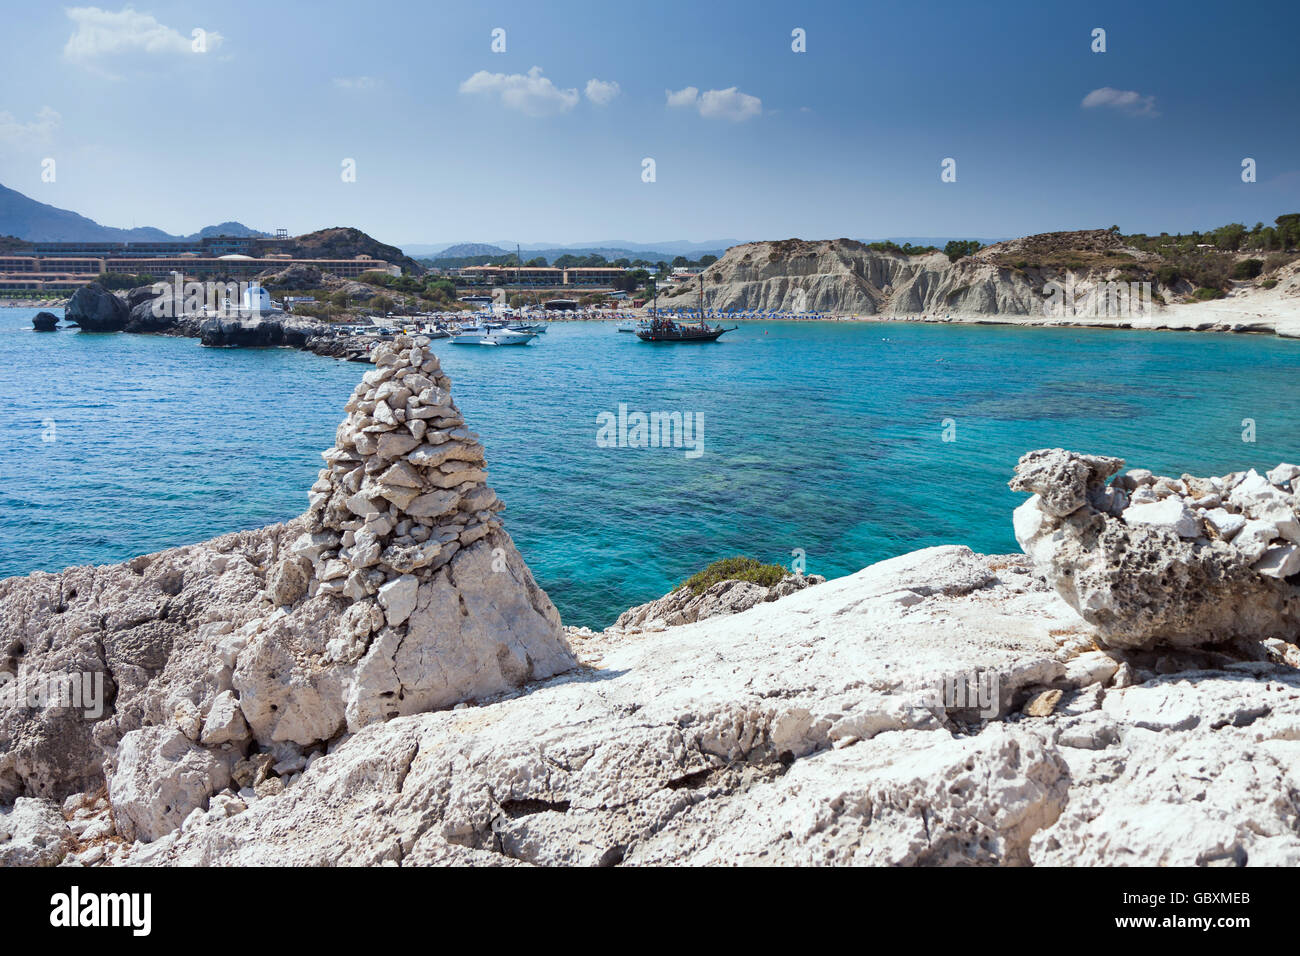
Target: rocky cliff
1011,278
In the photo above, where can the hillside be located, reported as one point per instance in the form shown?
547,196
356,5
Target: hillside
236,229
25,218
464,250
455,258
1007,278
35,221
345,242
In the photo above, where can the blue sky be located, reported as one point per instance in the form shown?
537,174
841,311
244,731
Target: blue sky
455,142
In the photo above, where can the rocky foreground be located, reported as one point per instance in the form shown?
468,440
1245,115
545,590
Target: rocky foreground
382,681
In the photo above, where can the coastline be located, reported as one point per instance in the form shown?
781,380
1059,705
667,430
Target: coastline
1236,315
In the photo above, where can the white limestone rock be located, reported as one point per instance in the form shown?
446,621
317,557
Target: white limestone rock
1169,513
1284,476
33,833
158,777
1062,479
1224,523
1194,774
397,598
1279,562
225,722
1151,578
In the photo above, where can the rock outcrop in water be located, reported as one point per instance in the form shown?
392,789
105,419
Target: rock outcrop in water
94,309
45,322
1172,561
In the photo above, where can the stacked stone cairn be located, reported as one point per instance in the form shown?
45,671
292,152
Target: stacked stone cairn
402,572
405,487
1156,560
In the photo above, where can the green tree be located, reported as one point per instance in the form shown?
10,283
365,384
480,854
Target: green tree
441,290
1288,230
960,248
1229,237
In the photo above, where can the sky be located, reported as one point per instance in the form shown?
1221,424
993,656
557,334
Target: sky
547,139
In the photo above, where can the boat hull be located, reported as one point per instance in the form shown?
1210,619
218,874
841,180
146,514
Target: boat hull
711,335
493,338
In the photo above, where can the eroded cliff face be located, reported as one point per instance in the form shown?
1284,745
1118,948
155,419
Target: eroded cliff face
845,276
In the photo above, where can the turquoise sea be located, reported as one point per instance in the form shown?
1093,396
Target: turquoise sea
827,438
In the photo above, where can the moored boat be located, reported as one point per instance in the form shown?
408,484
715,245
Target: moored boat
666,330
483,335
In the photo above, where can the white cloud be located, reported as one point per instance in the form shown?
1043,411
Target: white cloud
102,33
36,133
728,104
683,97
356,82
1126,101
602,92
529,93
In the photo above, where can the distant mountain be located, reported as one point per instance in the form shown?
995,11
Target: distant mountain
610,249
671,247
477,254
236,229
34,221
462,250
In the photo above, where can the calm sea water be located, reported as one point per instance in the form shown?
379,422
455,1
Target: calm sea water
823,437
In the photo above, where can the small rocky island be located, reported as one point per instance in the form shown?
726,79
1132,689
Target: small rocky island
382,680
45,322
93,308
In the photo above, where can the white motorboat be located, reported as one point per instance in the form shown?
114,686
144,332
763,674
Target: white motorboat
482,335
632,325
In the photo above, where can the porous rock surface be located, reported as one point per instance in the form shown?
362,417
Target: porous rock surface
1172,561
684,606
808,731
